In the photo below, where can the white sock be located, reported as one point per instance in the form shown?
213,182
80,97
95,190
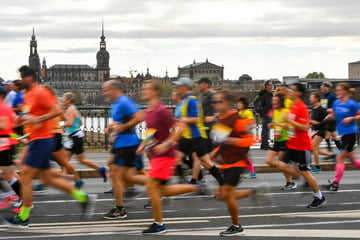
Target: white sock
318,195
159,223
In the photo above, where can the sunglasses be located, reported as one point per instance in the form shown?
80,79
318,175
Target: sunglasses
216,102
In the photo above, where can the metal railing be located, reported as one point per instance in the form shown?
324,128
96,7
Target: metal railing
96,119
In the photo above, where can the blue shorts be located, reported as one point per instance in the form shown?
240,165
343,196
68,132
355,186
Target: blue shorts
126,157
40,153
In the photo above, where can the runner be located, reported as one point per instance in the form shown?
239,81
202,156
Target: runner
318,124
279,125
126,116
161,152
346,112
8,147
194,135
232,133
74,143
299,143
39,123
245,113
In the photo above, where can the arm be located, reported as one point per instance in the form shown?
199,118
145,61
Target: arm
172,138
136,118
55,111
301,126
3,123
69,116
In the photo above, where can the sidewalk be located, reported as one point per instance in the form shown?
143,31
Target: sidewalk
258,157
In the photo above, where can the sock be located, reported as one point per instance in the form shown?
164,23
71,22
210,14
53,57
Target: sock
24,213
79,195
237,226
357,163
200,176
318,195
317,166
338,144
328,144
214,171
119,207
159,223
250,166
15,185
193,181
339,172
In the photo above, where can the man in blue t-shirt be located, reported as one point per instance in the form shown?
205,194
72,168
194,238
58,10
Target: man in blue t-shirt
327,101
122,160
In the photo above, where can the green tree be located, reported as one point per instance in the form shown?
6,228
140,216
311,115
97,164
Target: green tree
315,75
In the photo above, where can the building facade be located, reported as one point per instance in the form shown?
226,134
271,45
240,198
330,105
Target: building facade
82,79
195,71
354,70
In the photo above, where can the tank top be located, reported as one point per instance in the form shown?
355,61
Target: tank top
76,124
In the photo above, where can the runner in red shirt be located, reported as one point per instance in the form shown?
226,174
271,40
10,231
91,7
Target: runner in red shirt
299,143
162,134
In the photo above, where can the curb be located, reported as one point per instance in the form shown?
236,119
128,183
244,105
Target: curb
260,168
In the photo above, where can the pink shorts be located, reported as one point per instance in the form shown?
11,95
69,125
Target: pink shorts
162,168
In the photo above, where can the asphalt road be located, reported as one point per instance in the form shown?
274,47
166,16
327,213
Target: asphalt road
57,216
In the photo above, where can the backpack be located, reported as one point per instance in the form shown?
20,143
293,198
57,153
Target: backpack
258,105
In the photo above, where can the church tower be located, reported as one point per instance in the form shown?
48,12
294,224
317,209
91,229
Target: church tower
102,59
34,59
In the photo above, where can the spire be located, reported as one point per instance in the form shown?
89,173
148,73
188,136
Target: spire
102,31
33,34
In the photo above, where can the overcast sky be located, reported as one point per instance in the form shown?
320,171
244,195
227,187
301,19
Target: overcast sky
263,38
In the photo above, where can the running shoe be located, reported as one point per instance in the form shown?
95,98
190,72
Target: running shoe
155,229
203,189
317,202
7,202
289,186
16,222
316,170
147,205
250,176
110,191
102,171
115,213
39,188
18,209
333,186
79,184
89,206
330,158
232,231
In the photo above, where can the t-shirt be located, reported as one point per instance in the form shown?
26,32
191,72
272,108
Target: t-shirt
288,102
5,140
160,120
344,110
246,114
327,100
9,99
318,114
280,134
19,99
206,101
39,101
192,108
299,140
121,111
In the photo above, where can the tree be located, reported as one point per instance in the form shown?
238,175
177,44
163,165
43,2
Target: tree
315,75
245,77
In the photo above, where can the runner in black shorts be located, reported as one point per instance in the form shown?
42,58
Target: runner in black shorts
318,126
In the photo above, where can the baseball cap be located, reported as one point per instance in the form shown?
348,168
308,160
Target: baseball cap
3,91
184,81
204,80
327,84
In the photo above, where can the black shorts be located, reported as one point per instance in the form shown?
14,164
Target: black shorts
330,126
232,175
7,156
197,145
76,144
348,141
58,142
303,158
125,157
279,146
321,133
19,130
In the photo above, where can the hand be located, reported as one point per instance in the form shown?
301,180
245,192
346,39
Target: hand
209,119
347,120
119,127
161,148
140,151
